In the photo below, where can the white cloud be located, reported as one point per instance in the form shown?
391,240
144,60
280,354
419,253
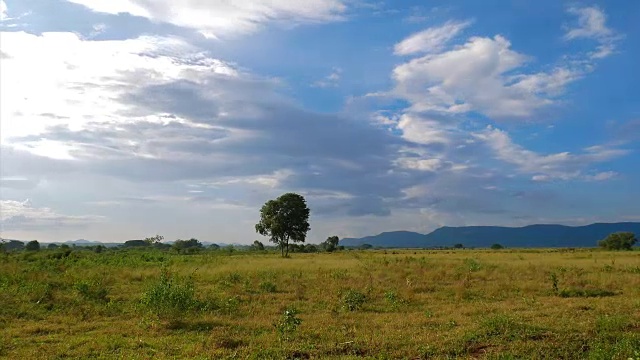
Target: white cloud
486,75
558,166
22,215
430,40
270,181
59,78
154,109
592,25
3,10
218,18
422,130
431,165
98,29
602,176
480,75
331,80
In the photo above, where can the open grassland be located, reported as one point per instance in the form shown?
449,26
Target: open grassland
508,304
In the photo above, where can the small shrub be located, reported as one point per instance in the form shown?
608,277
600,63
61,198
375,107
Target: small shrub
268,286
288,324
497,246
91,290
234,278
170,298
472,265
353,300
393,299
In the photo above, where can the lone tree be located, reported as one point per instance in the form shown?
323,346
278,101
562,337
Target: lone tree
283,219
257,245
618,241
33,245
331,244
154,240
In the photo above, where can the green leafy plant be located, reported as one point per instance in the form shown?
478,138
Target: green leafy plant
472,265
353,300
91,290
288,323
170,297
393,299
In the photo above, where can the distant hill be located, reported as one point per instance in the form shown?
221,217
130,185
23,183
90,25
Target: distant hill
484,236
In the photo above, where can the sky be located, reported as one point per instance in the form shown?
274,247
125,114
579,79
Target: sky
123,119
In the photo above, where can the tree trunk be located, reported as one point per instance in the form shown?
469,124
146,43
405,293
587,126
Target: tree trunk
287,244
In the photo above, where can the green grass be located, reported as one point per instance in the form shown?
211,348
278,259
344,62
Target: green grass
412,304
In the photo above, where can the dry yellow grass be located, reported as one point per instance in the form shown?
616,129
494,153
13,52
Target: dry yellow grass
418,304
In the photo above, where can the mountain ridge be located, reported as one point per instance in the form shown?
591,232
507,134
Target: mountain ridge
534,235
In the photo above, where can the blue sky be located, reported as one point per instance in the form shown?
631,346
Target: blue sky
129,118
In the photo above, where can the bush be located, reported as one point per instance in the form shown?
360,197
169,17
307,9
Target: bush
353,300
497,246
181,245
268,286
91,290
170,298
618,241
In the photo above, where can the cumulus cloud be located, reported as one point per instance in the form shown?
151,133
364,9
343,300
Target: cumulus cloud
430,40
22,215
218,18
592,25
486,75
481,75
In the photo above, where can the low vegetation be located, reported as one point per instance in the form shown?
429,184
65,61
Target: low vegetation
619,241
138,303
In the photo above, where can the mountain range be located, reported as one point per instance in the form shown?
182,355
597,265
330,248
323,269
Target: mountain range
538,235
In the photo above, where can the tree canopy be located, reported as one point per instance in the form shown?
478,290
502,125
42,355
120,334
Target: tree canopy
331,244
33,245
618,241
284,219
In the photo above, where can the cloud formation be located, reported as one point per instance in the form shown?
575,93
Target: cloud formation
171,128
592,25
214,19
430,40
559,166
483,75
23,215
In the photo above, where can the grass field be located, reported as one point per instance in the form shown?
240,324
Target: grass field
507,304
